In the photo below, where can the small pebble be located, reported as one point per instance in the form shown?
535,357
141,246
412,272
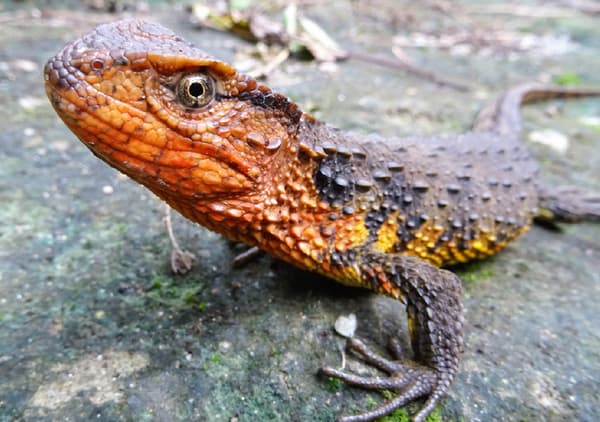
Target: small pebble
552,138
593,121
24,65
345,325
30,103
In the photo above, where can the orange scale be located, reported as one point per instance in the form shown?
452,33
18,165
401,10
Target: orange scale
143,150
217,217
290,241
149,170
296,231
178,159
237,131
310,233
169,177
186,183
304,247
257,235
319,242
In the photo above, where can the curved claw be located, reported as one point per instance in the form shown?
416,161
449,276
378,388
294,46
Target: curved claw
396,348
375,359
371,383
410,379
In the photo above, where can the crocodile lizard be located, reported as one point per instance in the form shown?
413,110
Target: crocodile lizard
385,214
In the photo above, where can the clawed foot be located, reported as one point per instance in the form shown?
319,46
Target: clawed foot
182,261
409,378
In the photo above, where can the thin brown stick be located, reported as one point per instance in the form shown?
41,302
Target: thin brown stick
409,68
181,260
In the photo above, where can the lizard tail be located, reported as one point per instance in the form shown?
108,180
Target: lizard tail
568,204
503,115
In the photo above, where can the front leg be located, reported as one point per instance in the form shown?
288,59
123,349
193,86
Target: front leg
435,322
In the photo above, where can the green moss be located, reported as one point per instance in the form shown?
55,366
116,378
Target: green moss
156,283
435,416
120,228
334,385
371,402
402,415
165,291
399,415
189,297
215,359
477,271
567,78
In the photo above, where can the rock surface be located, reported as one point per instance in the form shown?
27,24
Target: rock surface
94,326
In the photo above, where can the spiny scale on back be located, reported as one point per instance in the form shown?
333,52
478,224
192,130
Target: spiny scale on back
244,161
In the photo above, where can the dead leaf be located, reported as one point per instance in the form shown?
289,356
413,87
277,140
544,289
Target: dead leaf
319,43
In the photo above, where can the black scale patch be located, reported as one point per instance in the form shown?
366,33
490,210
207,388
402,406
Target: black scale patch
345,179
334,179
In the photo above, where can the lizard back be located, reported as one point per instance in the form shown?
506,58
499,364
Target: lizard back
444,199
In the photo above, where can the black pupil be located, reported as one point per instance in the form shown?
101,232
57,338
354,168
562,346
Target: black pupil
196,89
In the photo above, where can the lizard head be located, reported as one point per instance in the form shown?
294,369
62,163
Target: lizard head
169,115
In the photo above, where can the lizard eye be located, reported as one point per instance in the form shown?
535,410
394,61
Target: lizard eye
195,90
97,64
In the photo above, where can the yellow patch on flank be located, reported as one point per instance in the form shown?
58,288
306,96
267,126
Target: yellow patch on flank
350,234
387,236
482,247
412,326
459,256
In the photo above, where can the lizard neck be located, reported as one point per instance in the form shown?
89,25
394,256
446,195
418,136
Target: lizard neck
284,196
299,215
